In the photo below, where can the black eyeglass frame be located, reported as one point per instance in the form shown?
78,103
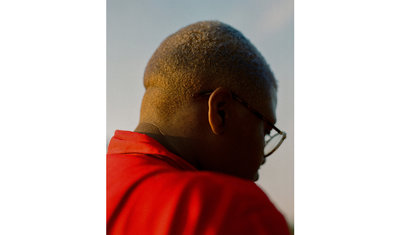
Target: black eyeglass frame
259,115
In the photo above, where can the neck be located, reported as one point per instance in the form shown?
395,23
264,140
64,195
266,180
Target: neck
178,145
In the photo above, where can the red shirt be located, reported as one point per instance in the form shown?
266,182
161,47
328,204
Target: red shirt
153,191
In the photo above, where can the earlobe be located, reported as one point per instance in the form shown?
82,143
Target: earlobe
218,110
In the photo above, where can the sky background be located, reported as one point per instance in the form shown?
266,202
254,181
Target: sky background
136,28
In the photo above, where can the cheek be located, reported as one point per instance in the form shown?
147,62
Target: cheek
259,138
254,142
247,149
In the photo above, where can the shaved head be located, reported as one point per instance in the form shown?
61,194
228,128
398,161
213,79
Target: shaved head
202,56
189,107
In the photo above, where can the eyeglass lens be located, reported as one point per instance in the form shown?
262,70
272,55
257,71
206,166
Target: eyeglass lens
272,141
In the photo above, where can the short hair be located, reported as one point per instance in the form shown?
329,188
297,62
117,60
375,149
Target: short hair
204,56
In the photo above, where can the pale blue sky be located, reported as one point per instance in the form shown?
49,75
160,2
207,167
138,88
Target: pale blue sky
136,28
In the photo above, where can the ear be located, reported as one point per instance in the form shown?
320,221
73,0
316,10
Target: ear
218,112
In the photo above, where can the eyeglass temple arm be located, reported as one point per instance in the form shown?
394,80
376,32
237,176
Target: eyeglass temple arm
248,106
256,113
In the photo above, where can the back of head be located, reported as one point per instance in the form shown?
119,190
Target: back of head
199,57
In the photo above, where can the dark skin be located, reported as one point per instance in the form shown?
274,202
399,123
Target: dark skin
215,133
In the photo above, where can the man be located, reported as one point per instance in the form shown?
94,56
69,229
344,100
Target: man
189,166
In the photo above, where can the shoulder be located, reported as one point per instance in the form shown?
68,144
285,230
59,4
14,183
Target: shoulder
210,188
199,202
227,204
221,183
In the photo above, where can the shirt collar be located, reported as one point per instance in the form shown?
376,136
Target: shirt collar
126,142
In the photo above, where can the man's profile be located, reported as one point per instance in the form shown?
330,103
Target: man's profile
207,123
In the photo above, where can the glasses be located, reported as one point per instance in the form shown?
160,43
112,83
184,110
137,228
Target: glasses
274,139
